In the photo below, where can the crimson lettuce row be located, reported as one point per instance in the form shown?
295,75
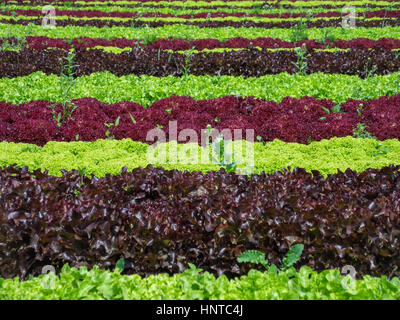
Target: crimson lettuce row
96,284
145,90
292,120
40,43
160,221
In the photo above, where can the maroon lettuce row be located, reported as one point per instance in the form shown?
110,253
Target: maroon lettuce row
160,221
201,15
270,43
206,24
246,63
42,42
292,120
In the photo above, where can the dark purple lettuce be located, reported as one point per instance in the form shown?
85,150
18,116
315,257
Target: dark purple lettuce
246,63
159,221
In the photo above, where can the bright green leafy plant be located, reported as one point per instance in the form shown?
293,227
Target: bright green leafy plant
15,44
109,125
219,154
120,266
301,63
361,132
335,109
299,32
258,257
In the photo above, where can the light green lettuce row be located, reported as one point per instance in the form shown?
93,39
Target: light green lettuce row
183,20
118,50
145,89
178,31
252,19
103,157
335,3
94,284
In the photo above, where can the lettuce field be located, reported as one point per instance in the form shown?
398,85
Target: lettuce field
200,149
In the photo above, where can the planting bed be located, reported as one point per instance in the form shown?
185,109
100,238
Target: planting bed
113,174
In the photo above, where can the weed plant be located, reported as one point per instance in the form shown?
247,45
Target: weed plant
67,83
301,63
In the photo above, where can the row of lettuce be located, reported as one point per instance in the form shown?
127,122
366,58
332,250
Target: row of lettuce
197,10
178,31
292,120
60,13
103,157
245,63
145,90
160,221
210,23
207,2
189,2
207,25
230,4
76,284
42,42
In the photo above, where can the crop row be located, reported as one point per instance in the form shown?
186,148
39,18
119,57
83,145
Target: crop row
265,43
239,3
212,1
193,32
190,11
40,43
189,3
117,50
145,90
109,156
113,22
159,221
231,5
94,284
287,7
245,63
202,15
292,120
